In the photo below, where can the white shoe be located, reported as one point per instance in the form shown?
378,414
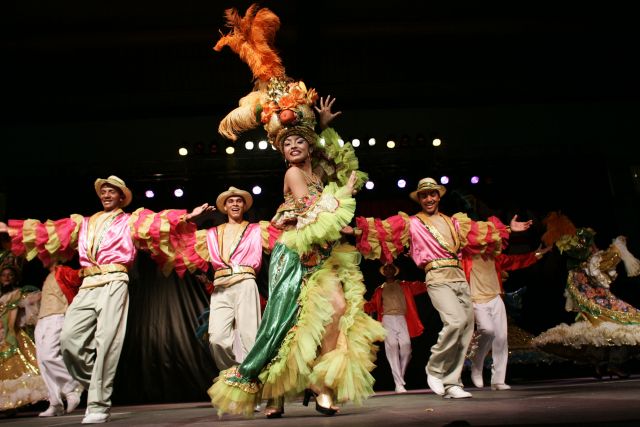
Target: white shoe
456,392
476,376
95,418
435,384
52,411
400,389
73,400
500,387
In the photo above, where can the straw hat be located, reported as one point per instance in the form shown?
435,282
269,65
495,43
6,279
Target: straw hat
233,191
118,183
381,269
427,184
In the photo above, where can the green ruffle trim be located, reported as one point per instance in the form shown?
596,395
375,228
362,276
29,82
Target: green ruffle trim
346,370
337,162
322,224
298,365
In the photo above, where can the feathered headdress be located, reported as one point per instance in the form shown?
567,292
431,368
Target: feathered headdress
283,106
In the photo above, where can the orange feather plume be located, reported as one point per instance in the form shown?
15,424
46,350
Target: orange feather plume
252,38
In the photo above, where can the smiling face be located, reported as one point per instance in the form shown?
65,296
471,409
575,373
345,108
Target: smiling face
429,200
296,149
111,197
235,208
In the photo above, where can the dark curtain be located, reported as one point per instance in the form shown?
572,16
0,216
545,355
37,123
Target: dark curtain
162,359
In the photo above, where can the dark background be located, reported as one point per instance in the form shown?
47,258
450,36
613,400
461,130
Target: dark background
537,99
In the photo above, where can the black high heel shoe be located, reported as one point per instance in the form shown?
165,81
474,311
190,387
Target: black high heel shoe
328,411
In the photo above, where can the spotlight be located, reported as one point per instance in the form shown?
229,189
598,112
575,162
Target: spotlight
183,151
248,145
372,142
444,179
199,147
178,192
256,190
436,142
230,150
391,144
402,183
213,148
369,185
355,142
475,179
262,145
340,142
149,194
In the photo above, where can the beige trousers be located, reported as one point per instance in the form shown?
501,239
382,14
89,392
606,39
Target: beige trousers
92,338
453,302
234,312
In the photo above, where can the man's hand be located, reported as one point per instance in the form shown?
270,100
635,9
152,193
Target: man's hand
200,210
516,225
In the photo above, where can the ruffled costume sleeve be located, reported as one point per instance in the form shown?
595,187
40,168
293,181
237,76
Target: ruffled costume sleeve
161,234
49,241
383,239
481,237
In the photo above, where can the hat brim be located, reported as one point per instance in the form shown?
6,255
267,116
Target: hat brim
222,198
125,190
440,189
381,269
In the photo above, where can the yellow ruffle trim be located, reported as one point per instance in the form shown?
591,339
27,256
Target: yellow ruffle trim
346,369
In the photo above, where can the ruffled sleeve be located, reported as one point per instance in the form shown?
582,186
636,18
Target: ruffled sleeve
269,235
480,237
321,222
161,234
49,241
337,160
382,239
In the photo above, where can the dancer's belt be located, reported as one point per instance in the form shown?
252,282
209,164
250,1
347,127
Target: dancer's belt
236,269
440,263
102,269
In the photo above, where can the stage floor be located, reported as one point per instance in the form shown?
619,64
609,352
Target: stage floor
577,401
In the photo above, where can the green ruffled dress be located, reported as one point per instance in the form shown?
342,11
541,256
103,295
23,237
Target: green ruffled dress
308,264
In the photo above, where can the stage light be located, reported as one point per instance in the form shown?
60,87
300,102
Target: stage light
262,145
372,142
178,192
230,150
436,142
444,179
248,145
369,185
402,183
355,142
475,179
183,151
340,142
149,194
256,190
213,148
391,144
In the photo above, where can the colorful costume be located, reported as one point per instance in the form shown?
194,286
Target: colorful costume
107,243
484,274
51,316
435,248
309,264
20,380
235,301
607,329
395,306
